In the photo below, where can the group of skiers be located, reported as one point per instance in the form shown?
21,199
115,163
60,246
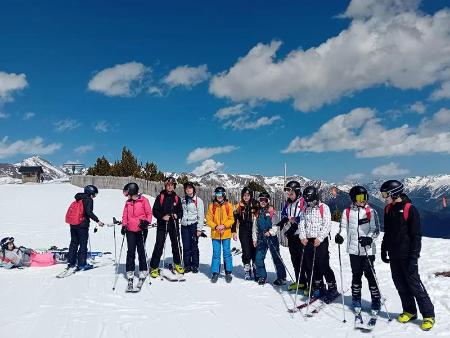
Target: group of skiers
304,228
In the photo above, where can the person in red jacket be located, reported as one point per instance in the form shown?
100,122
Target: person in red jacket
137,216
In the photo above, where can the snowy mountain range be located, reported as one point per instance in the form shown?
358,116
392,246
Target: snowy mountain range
9,173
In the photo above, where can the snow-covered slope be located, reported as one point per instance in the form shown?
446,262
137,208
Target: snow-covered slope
11,171
36,304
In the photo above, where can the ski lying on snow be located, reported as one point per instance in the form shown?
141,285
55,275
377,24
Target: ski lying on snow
67,273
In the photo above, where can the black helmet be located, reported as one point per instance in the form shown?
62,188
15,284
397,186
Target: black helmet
91,190
125,189
391,188
133,189
264,194
293,185
310,194
172,180
4,242
246,190
357,191
221,190
189,184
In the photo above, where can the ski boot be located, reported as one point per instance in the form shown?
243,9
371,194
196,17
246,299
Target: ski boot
247,272
406,317
154,273
261,281
214,277
179,269
373,320
142,277
331,294
85,267
228,277
130,278
279,282
255,276
293,286
359,323
194,269
427,323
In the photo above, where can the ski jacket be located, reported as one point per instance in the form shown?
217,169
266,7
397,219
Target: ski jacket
171,205
402,238
358,225
313,224
16,257
220,214
265,220
244,215
287,229
88,206
135,211
193,212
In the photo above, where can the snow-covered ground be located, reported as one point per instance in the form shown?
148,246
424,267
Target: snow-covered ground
36,304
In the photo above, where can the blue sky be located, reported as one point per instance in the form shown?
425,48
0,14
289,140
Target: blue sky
338,90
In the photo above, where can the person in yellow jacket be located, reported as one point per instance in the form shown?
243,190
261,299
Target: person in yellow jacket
220,219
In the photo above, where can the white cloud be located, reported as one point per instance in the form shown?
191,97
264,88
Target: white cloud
227,112
354,177
28,116
10,83
418,107
361,131
3,115
34,146
187,76
65,125
200,154
121,80
243,123
442,93
83,149
388,43
102,126
207,166
156,91
390,169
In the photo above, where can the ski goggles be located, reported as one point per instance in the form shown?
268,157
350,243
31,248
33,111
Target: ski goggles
263,199
218,194
385,194
361,198
287,189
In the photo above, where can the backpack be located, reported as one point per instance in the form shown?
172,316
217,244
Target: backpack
227,208
387,208
75,213
161,199
368,213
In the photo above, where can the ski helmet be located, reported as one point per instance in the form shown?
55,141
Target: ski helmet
264,195
293,186
246,190
391,188
358,194
133,189
220,191
310,194
91,190
171,180
5,241
189,184
125,189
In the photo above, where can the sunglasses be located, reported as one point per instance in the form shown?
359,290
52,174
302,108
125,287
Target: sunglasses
263,199
361,198
385,194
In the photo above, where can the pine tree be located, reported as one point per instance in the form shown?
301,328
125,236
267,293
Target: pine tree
255,186
101,167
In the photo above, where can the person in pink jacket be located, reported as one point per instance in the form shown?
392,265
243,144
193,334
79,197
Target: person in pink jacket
137,216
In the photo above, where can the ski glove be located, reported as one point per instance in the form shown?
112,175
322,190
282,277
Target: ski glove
338,239
384,256
365,241
143,224
123,231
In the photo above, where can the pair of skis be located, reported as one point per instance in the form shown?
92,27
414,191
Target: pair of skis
71,271
369,326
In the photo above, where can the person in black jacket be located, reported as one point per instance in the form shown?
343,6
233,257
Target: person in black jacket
401,248
79,234
168,211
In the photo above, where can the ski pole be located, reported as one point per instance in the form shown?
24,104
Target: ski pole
342,283
115,246
164,250
118,263
310,282
378,285
145,252
297,280
179,247
281,259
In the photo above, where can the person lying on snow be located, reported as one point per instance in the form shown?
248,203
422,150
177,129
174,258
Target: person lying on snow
12,256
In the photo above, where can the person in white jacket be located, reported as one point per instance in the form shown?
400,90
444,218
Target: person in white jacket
362,226
314,229
191,227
